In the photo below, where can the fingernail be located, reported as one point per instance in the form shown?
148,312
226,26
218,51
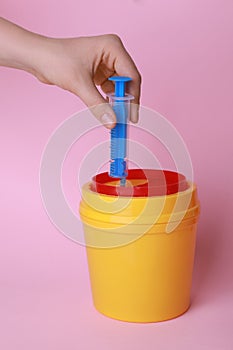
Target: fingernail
107,120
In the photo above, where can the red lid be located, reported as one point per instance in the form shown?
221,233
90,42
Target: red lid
157,183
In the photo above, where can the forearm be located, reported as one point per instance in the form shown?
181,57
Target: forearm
18,47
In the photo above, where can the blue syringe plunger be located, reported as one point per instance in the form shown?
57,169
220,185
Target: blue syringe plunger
118,166
120,85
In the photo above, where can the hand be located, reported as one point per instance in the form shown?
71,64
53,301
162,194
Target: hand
79,64
75,64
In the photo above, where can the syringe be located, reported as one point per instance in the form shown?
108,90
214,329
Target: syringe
120,102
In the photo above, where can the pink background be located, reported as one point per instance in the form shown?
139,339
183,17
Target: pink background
184,52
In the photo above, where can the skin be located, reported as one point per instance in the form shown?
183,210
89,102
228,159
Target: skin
78,65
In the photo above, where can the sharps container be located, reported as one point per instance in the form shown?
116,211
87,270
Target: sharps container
140,243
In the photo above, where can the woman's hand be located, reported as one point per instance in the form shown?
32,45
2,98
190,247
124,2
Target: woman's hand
74,64
80,64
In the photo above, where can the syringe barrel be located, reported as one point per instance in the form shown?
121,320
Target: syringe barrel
121,107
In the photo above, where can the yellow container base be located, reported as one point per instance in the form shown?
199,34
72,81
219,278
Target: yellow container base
138,271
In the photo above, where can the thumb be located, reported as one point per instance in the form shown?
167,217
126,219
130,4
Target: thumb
90,95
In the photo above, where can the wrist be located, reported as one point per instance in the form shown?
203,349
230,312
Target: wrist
19,48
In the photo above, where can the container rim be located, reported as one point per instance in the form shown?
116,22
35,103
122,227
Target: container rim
157,183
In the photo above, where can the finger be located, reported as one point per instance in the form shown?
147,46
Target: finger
125,66
134,89
134,112
90,95
107,87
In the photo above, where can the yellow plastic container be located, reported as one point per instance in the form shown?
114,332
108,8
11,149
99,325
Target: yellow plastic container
140,253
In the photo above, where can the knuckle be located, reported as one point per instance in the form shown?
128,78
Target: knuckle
137,77
114,38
